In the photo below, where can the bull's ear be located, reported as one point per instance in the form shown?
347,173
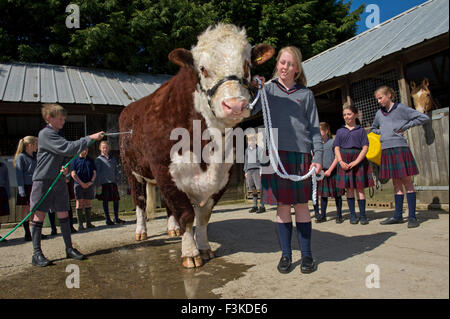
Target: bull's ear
181,57
262,53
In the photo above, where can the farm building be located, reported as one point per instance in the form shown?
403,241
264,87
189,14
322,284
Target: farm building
93,99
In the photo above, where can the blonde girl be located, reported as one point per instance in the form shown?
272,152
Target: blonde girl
397,161
25,164
294,114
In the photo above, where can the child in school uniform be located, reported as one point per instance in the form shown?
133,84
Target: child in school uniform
25,164
84,173
397,161
52,152
327,186
294,114
252,171
5,194
354,172
108,179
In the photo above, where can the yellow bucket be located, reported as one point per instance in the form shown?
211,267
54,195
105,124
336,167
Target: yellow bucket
374,152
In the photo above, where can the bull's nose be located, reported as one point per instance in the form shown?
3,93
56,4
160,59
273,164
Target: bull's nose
234,106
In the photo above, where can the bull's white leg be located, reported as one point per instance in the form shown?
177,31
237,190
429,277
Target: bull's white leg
141,224
189,253
202,216
173,229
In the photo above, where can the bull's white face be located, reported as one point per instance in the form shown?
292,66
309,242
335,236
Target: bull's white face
222,52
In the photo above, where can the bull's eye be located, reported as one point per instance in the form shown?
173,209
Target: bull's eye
204,72
246,69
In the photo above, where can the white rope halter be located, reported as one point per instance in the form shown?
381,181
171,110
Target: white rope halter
273,151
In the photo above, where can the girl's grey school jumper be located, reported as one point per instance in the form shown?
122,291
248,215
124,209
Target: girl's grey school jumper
107,170
53,151
25,166
328,153
400,118
294,114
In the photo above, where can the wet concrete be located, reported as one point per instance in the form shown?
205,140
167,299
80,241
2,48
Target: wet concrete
150,269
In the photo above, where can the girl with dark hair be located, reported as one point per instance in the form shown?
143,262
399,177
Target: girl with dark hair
354,172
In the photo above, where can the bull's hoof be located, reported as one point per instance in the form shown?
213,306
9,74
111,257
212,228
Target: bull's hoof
139,237
174,233
192,262
206,254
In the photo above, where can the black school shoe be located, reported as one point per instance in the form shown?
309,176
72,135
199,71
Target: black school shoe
307,265
284,265
413,223
392,220
321,219
75,254
40,260
253,209
261,210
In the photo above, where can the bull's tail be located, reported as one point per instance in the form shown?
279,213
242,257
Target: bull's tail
150,206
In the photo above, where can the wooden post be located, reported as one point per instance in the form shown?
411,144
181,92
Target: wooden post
403,86
345,92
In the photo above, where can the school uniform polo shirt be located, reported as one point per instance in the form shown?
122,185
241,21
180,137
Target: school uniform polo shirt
84,167
355,138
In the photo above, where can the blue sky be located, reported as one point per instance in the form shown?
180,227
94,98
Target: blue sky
387,9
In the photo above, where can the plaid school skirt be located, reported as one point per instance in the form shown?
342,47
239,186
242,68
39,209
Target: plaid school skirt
4,202
24,201
358,177
327,186
280,191
397,162
110,193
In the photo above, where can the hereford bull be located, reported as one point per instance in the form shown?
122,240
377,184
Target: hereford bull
211,88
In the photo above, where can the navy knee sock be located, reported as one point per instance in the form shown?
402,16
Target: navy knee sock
351,207
285,235
65,230
362,208
316,210
51,218
116,210
323,206
304,231
338,201
398,205
411,198
106,210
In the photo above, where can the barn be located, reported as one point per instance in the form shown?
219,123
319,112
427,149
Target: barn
408,47
93,99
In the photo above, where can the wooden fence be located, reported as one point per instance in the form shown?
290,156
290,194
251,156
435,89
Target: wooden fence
430,147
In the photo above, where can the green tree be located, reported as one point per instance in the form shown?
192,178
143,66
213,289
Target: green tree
137,35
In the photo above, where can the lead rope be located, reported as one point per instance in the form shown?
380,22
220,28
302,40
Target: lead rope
273,151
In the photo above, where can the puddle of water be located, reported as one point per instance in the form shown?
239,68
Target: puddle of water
144,270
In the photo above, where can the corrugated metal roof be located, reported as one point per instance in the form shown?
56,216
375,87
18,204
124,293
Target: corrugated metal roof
31,82
420,23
